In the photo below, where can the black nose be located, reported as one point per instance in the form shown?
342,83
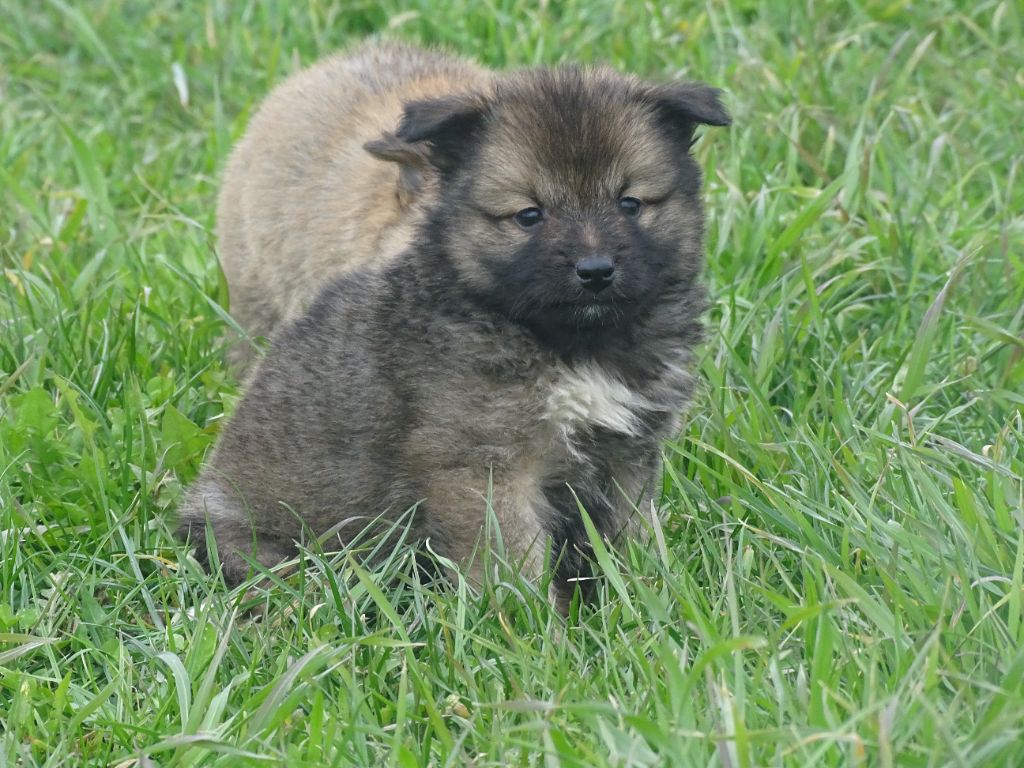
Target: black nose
595,272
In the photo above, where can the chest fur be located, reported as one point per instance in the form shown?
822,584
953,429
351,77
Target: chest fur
587,397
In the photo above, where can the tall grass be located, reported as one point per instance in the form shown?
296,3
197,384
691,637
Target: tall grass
839,576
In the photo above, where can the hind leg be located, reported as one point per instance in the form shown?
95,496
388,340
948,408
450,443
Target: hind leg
238,544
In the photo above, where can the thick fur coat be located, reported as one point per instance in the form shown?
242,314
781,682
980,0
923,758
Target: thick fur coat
303,200
530,350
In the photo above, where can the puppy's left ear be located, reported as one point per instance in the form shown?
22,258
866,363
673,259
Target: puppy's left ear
681,107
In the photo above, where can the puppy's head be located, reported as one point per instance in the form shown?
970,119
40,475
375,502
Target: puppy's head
568,198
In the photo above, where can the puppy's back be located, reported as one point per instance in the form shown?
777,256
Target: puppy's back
302,200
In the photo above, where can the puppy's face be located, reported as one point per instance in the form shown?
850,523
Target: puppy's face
569,200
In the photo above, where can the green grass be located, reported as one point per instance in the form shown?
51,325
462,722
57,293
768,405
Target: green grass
839,578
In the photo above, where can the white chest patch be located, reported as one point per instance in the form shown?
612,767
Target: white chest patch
588,397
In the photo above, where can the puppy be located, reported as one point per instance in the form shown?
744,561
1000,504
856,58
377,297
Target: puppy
530,351
303,200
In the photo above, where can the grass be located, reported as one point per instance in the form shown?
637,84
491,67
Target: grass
839,576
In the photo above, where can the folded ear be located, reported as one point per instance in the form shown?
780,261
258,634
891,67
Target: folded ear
683,106
447,125
393,150
412,163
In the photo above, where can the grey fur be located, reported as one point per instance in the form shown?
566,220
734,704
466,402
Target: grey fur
473,363
318,186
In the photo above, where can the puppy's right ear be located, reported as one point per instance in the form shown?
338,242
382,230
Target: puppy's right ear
447,125
393,150
412,163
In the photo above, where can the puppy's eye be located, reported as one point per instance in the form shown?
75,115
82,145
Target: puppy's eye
630,206
529,217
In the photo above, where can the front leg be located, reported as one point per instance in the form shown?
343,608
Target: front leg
571,552
616,502
470,513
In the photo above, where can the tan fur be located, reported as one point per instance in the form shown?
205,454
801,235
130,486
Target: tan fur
303,201
483,366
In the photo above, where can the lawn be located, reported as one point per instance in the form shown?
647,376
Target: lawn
838,578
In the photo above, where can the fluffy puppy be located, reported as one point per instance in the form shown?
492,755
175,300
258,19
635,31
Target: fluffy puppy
306,195
531,350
